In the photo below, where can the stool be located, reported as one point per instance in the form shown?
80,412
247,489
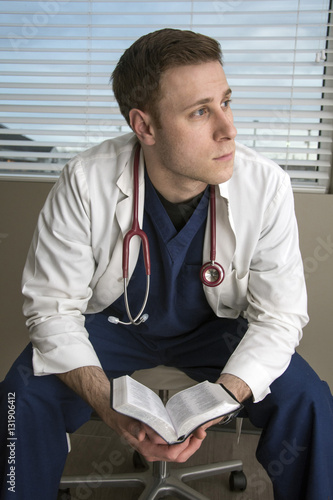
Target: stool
159,478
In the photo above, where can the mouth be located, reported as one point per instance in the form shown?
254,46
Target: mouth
225,157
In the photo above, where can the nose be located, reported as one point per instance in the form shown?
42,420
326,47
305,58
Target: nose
224,127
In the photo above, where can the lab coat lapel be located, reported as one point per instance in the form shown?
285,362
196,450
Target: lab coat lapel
124,210
225,241
110,285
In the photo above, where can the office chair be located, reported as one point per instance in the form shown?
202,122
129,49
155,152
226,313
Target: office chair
159,478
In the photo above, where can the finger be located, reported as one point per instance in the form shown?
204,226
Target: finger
157,452
215,422
162,451
137,430
192,447
153,436
200,433
174,453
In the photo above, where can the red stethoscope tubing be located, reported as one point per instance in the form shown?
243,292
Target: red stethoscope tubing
212,224
211,273
135,229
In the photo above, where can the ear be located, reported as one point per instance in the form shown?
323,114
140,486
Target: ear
142,125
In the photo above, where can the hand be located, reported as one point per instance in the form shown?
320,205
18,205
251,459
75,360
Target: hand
149,444
92,385
200,432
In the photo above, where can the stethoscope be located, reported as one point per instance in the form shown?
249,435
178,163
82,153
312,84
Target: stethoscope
211,274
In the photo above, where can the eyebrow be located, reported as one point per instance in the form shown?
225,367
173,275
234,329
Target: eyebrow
207,100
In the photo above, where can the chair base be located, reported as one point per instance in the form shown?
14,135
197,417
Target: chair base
159,479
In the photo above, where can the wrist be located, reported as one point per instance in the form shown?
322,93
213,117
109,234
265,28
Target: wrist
237,388
229,392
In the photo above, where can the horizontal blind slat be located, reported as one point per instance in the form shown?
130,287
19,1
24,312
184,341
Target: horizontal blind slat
121,122
236,100
236,88
91,110
322,139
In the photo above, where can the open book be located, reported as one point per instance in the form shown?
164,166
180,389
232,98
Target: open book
183,413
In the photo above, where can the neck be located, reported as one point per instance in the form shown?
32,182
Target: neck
174,187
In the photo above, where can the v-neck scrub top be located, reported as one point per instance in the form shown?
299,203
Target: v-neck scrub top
176,303
182,329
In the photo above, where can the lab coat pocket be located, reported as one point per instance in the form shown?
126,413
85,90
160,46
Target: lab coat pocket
229,298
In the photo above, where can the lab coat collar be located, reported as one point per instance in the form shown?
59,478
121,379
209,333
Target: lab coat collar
124,210
125,179
223,189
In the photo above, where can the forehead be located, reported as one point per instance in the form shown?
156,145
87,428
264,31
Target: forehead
184,85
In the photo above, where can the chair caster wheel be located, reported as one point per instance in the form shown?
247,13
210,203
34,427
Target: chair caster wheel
237,481
138,461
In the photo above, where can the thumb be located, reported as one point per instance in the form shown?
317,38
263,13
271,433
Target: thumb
200,433
137,431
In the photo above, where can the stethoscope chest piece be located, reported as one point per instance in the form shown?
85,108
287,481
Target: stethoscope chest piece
212,274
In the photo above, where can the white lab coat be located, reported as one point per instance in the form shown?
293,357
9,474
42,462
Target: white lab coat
74,264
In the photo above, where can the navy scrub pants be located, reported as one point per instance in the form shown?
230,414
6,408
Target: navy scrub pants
296,445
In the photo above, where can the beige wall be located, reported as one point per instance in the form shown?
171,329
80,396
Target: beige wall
20,203
315,221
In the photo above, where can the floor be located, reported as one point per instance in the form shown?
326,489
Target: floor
97,450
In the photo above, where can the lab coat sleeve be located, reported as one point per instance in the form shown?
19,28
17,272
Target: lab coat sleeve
277,301
57,275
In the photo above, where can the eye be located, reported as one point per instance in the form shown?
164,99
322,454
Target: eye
226,104
199,112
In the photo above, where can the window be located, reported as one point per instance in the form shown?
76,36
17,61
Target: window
57,57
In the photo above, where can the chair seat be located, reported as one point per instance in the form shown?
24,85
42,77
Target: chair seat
164,378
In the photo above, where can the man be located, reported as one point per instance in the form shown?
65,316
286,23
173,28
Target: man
173,92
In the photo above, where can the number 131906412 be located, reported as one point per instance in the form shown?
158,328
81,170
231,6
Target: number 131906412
11,441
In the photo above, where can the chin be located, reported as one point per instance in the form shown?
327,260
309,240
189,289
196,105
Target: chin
223,176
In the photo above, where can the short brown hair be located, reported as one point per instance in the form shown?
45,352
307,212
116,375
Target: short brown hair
136,78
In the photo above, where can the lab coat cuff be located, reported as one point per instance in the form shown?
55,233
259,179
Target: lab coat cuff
63,359
252,373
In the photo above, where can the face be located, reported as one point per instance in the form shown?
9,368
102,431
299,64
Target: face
195,143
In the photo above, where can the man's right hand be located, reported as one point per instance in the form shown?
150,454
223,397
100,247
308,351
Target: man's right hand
91,383
149,444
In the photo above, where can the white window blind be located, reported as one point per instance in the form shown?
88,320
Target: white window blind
57,57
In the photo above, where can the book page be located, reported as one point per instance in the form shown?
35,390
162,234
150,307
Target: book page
143,397
184,412
198,404
138,401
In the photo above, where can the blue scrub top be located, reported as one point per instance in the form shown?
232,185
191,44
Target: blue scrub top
177,303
